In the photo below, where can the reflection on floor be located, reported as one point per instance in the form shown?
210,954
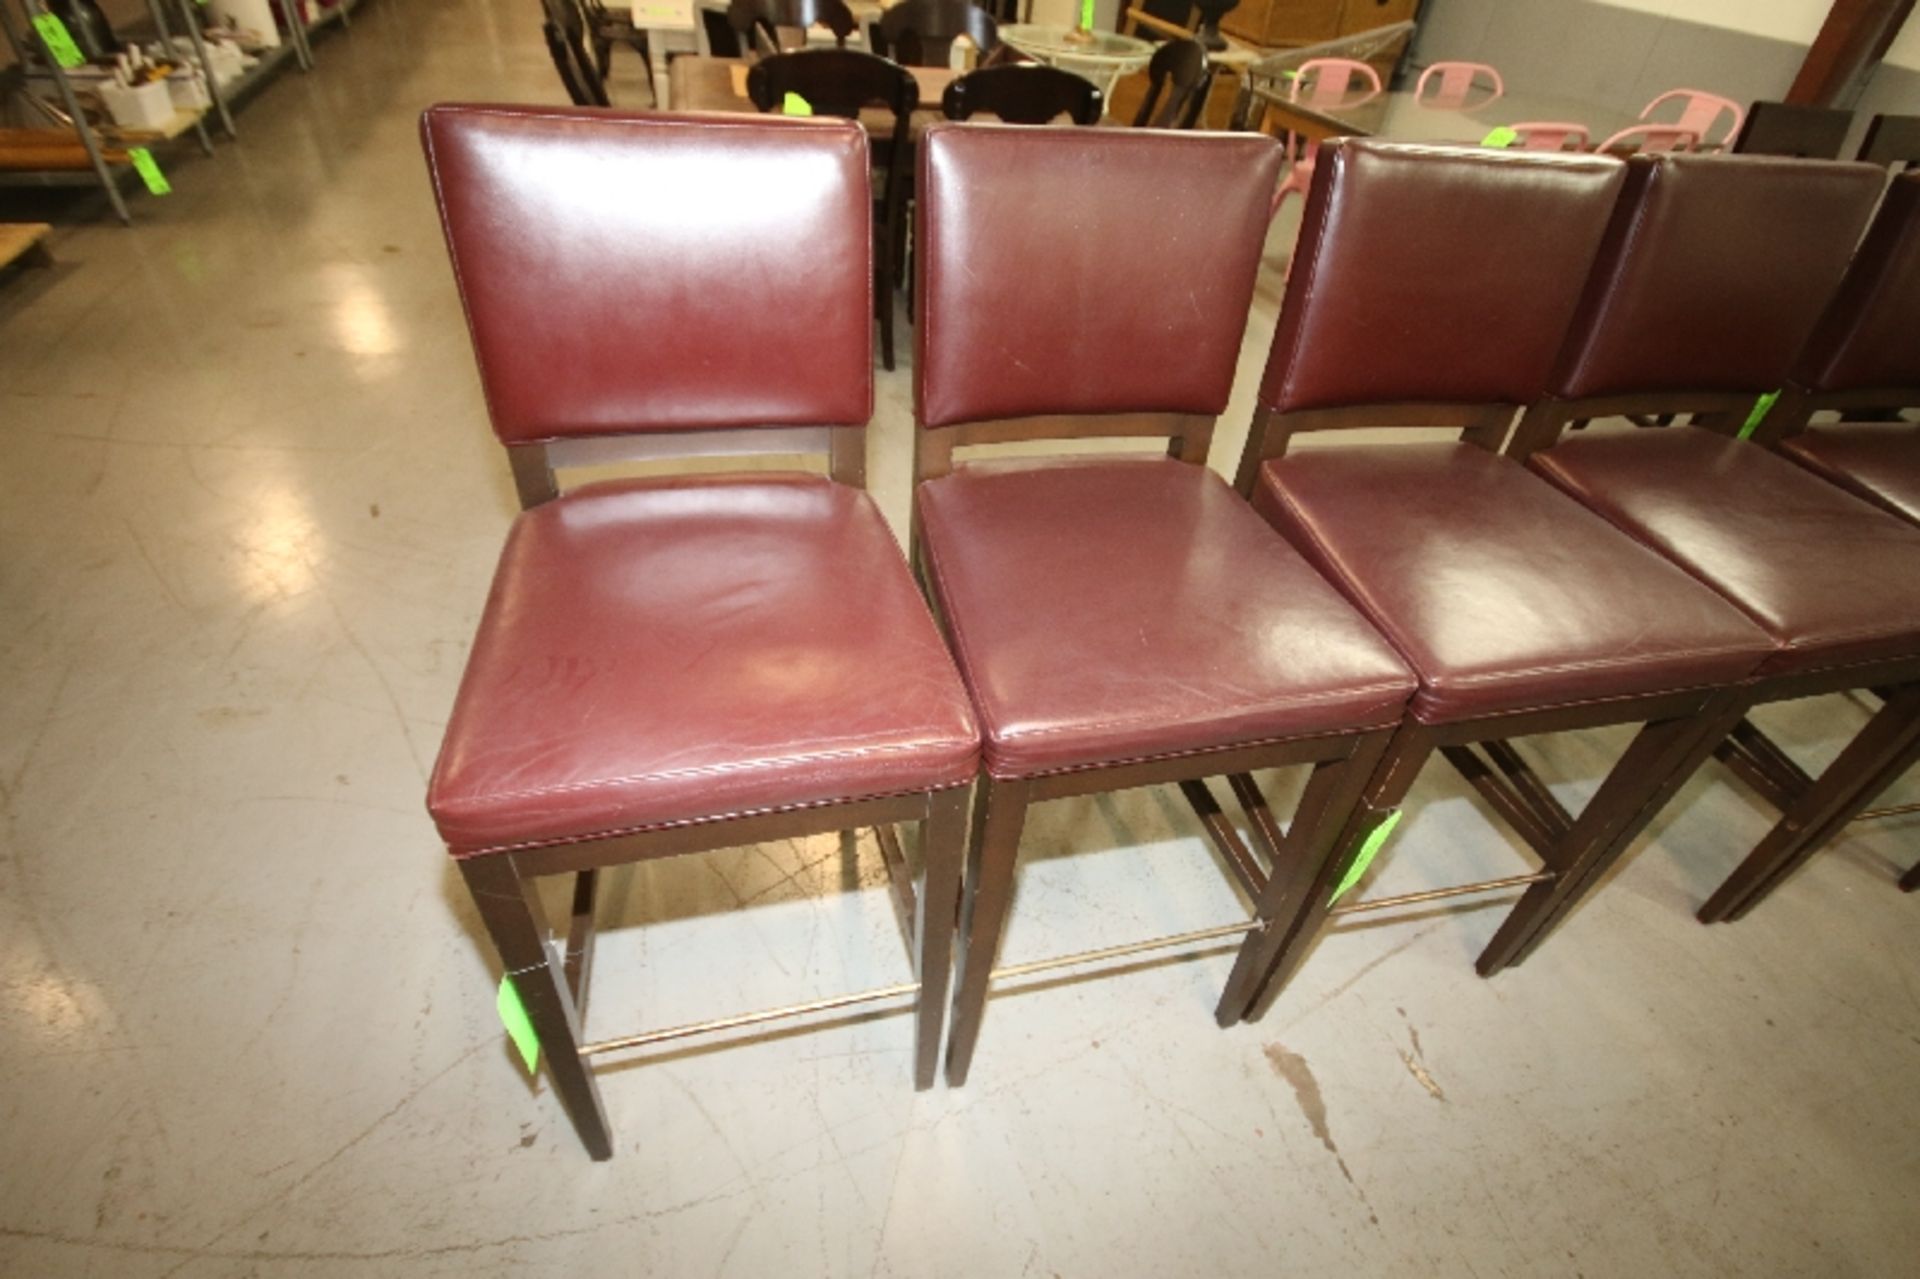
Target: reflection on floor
248,510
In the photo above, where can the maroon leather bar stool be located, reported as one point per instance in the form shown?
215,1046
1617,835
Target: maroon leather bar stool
1120,621
670,666
1429,289
1864,356
1713,276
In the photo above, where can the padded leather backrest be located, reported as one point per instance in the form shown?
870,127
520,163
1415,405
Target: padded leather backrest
1084,270
629,273
1714,270
1869,338
1435,275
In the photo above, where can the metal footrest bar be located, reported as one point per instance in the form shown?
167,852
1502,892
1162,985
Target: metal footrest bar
1892,810
1436,894
746,1019
1131,948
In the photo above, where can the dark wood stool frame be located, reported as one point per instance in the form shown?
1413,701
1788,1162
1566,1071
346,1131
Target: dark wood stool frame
1285,861
1679,728
553,987
1813,810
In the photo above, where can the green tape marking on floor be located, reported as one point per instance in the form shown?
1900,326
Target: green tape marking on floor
1759,414
1369,849
1500,137
149,172
513,1015
794,104
59,40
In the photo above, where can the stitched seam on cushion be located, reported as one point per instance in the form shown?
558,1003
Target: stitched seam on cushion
705,770
1366,690
1196,751
1475,681
685,823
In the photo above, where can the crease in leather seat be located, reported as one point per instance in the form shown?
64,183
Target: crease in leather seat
1120,621
666,666
1429,290
1714,277
1191,625
666,651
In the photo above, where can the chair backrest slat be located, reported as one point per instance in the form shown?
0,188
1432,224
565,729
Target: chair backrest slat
632,274
1869,338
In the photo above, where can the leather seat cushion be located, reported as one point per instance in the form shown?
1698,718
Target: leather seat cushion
1503,594
1832,580
1879,461
658,652
1124,609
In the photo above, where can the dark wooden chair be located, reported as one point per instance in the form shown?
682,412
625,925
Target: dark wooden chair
1180,70
1862,360
1521,612
757,23
1053,576
607,27
1786,128
843,82
565,29
1713,277
1892,140
1023,93
678,664
920,33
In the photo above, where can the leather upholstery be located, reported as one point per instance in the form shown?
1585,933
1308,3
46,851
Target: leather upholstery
1027,308
1713,272
1878,461
1831,579
657,652
1869,338
1127,608
1501,593
1399,252
562,225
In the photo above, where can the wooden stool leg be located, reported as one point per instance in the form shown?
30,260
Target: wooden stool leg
1393,776
510,909
1001,812
943,850
1911,880
1662,756
1301,857
1876,756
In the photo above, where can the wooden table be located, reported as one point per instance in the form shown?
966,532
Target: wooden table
720,84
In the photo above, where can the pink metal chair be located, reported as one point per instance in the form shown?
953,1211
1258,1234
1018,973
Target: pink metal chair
1552,135
1450,84
1699,115
1324,84
1649,138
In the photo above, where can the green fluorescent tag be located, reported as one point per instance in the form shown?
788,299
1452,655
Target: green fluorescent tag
794,104
58,40
149,171
1369,849
1500,137
513,1015
1759,414
1086,15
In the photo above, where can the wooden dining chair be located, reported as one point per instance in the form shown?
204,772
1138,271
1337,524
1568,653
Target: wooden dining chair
921,33
565,30
1521,612
757,24
1862,359
607,27
1023,93
1120,621
844,82
677,665
1790,128
1179,70
1715,271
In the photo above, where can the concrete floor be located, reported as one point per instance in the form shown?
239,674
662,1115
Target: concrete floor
248,511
